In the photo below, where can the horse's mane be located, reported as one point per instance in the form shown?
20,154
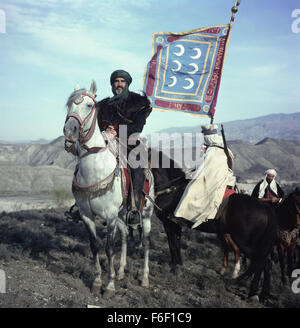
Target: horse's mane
289,198
174,168
74,95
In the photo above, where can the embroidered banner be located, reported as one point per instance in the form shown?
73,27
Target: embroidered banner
185,70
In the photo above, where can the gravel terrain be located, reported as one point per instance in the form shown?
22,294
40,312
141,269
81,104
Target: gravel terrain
48,263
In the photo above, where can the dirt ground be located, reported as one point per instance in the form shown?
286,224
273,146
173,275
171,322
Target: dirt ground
48,263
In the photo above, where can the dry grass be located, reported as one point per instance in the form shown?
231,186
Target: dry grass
61,196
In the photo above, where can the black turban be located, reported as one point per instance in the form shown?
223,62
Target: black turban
120,73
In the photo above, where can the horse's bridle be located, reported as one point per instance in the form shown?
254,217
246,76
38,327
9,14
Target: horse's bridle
82,123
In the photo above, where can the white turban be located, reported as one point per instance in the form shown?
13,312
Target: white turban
211,137
264,184
271,171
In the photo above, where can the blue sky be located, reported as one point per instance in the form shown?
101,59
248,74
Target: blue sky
51,45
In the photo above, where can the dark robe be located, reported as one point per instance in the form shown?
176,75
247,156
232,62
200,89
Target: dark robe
255,192
133,113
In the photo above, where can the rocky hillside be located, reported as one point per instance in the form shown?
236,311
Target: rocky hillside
252,160
18,178
48,264
276,126
37,168
52,153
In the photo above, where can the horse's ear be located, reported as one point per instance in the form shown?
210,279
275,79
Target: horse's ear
77,87
93,88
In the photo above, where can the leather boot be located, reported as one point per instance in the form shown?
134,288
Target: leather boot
137,178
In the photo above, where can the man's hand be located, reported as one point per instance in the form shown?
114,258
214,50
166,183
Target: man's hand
270,200
111,132
275,200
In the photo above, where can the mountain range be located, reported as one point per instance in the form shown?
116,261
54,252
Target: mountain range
276,126
42,167
45,167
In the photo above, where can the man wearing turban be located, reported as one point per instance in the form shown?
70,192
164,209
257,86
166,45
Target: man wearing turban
130,109
204,193
268,190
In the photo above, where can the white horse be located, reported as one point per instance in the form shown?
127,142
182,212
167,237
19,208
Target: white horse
97,187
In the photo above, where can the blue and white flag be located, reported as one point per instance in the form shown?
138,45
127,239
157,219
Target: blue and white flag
185,70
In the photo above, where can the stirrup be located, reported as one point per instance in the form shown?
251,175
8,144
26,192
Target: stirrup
133,218
73,214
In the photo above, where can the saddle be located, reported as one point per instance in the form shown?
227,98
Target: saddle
228,191
126,184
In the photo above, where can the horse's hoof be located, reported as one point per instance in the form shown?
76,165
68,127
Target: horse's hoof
108,293
121,276
145,283
140,245
96,288
235,275
254,298
284,283
222,272
177,270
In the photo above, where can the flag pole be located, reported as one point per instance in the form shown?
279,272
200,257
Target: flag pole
234,10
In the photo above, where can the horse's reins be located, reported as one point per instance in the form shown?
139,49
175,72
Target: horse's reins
82,124
83,140
169,187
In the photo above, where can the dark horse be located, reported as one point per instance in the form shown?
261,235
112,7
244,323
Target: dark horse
288,213
251,225
253,228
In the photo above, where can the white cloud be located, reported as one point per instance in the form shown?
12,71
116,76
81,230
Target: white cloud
74,31
31,16
267,69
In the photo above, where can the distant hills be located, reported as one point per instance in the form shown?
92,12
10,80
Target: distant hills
52,153
276,126
252,160
26,142
258,144
46,167
35,168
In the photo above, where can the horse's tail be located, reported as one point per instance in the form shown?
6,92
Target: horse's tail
263,247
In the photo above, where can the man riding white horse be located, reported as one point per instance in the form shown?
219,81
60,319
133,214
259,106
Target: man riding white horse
128,109
204,194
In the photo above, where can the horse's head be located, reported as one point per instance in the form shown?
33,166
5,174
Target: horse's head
290,210
81,118
296,196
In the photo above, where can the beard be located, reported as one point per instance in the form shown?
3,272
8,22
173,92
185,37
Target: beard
120,95
119,90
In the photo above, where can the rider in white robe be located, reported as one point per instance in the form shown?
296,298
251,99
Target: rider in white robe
204,194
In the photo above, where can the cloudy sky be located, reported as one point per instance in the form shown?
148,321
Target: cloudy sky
50,45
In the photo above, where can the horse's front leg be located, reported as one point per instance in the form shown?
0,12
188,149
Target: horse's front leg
265,294
281,253
254,285
173,231
225,253
291,258
123,260
236,250
146,245
95,247
110,252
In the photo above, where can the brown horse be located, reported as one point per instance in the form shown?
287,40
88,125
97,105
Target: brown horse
288,213
250,225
